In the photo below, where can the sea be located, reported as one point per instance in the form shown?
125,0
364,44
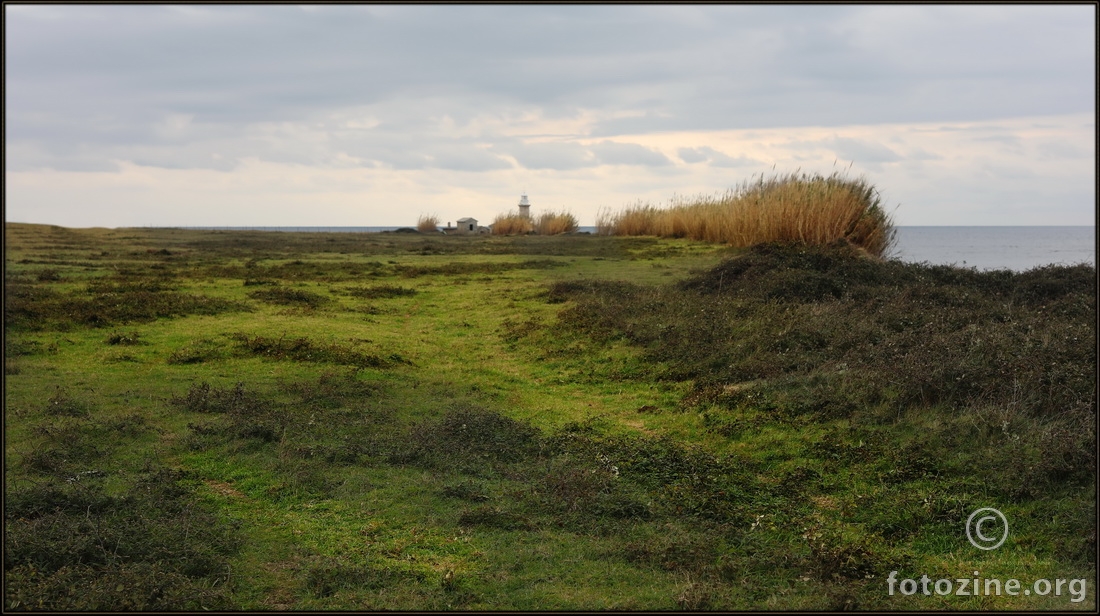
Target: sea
983,248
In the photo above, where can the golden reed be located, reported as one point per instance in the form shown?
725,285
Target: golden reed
427,224
548,223
790,208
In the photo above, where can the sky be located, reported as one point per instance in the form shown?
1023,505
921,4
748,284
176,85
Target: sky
373,115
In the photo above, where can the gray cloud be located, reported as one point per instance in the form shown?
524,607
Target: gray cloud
692,155
860,150
920,154
466,158
559,156
108,75
713,157
848,149
1050,150
613,153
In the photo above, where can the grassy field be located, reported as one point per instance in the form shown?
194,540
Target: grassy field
329,421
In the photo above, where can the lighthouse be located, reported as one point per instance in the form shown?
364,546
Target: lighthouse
524,206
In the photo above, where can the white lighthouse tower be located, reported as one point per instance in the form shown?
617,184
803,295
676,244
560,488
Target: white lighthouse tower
524,206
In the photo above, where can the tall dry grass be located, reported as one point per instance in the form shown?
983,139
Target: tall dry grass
548,223
794,208
553,223
512,224
427,223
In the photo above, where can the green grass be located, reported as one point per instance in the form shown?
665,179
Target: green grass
399,421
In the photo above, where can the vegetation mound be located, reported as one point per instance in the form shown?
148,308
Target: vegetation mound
154,547
36,308
820,333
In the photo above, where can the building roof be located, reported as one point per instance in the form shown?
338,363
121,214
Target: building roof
467,219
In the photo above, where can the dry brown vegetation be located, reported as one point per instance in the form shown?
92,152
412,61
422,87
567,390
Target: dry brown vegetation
553,223
795,208
427,223
512,224
548,223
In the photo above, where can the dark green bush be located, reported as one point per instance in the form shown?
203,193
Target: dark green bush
197,352
333,390
35,308
124,338
290,297
494,517
476,267
470,439
331,575
62,404
381,292
826,333
304,349
246,415
72,547
466,491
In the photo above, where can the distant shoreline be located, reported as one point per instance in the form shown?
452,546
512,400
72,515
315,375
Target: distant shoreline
1013,247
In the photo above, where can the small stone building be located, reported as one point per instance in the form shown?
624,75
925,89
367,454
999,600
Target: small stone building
466,226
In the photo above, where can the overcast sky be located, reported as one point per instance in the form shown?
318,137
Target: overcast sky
372,115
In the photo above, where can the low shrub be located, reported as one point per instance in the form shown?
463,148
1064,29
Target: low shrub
152,548
48,275
197,352
494,517
62,404
477,267
282,296
331,575
469,439
304,349
467,491
332,390
34,309
381,292
124,338
797,333
247,415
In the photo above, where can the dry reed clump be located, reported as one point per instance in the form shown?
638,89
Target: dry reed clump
548,223
427,224
794,208
554,223
512,224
